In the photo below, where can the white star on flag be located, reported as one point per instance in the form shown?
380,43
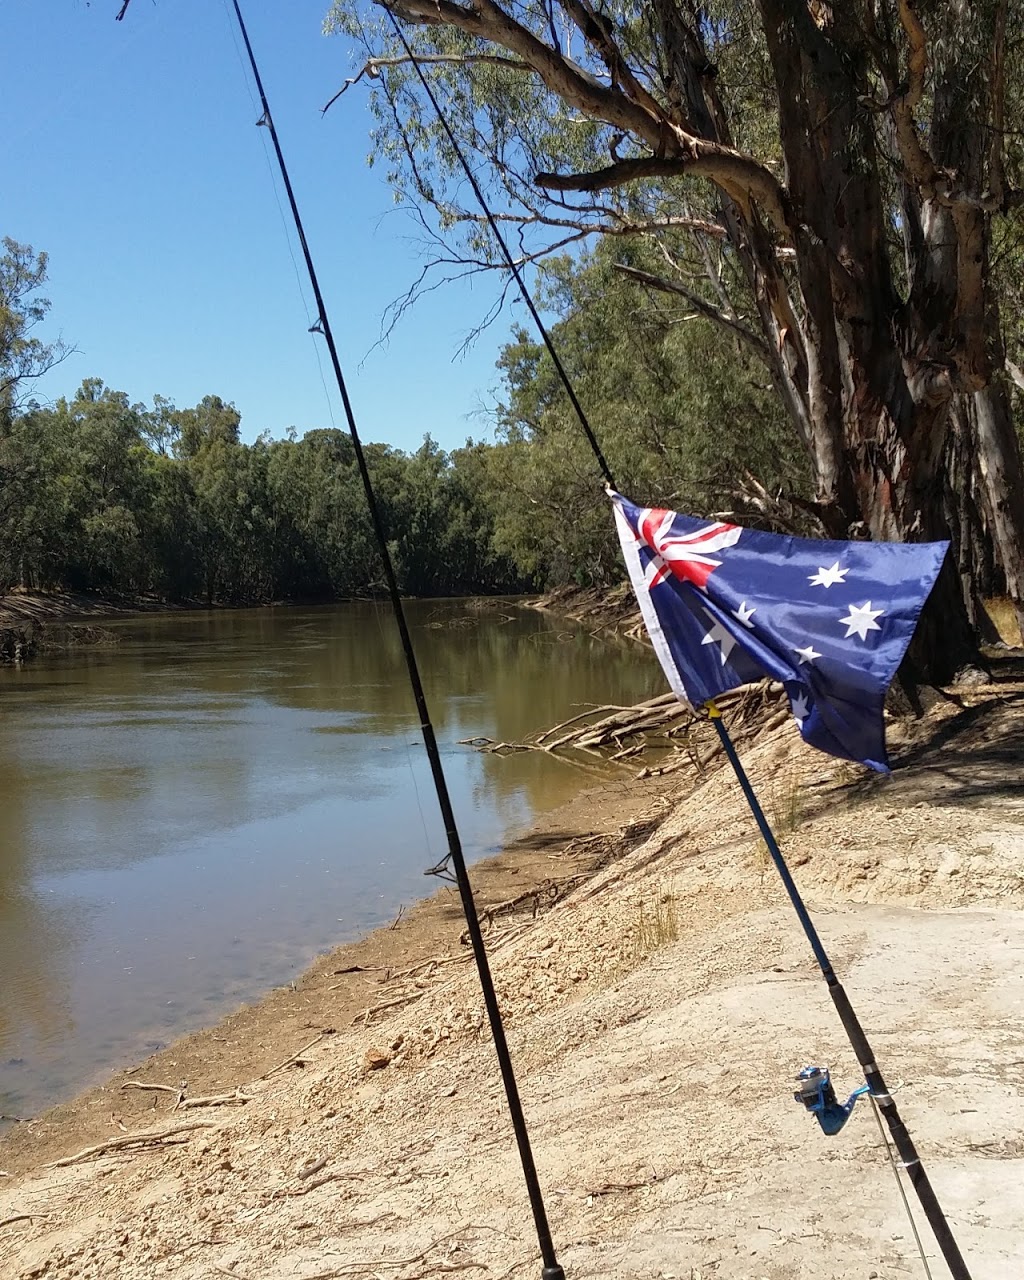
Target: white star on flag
800,707
828,577
861,619
808,654
719,635
743,615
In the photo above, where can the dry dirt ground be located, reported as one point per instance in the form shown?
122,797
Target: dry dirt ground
656,1014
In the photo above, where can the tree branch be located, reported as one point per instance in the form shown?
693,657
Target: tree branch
487,21
373,66
597,32
660,283
613,175
917,60
741,177
996,167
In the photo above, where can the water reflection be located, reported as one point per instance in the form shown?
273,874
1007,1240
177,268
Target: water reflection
187,819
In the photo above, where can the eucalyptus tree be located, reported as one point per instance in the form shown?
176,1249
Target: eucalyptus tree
823,181
24,356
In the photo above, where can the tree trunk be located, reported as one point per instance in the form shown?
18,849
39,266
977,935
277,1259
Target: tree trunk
968,518
999,466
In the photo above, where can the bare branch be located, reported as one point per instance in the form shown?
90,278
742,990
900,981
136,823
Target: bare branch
664,285
741,177
996,168
488,21
1016,374
373,67
597,32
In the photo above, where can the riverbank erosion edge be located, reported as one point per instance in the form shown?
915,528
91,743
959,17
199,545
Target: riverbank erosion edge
657,1013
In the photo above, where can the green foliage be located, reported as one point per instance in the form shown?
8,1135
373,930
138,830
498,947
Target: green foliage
100,493
23,357
683,415
108,495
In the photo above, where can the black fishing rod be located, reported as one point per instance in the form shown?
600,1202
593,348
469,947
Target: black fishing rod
815,1091
551,1268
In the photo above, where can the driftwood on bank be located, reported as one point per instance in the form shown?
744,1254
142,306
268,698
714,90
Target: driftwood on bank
675,735
19,642
159,1137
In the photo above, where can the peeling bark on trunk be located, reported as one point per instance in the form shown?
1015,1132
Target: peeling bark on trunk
999,464
968,519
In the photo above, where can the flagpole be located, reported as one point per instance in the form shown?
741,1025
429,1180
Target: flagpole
909,1158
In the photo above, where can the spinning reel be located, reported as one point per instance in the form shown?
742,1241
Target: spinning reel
815,1091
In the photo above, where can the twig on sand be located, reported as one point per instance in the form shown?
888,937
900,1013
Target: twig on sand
282,1193
22,1217
374,1265
184,1103
435,961
235,1098
149,1138
179,1092
367,1014
296,1057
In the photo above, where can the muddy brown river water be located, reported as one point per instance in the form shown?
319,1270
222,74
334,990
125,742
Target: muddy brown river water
188,818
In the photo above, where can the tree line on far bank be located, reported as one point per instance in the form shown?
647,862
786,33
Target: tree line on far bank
98,493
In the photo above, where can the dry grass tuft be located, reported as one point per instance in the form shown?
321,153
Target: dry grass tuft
1004,618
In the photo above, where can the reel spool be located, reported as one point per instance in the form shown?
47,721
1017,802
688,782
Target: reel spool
815,1091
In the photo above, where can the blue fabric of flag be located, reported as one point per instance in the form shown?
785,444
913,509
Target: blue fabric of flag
831,621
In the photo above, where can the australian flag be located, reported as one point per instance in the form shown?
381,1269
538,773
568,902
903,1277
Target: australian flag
830,620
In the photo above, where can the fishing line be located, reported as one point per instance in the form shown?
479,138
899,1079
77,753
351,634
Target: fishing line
509,260
902,1189
551,1268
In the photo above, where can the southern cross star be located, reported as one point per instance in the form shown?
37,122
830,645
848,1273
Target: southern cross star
828,577
861,619
808,654
743,615
719,635
800,707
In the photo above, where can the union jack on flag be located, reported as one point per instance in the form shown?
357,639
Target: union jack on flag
726,605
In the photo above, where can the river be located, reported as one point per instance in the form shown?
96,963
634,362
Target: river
187,819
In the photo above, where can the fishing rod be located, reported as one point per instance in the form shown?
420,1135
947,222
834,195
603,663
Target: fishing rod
815,1089
551,1268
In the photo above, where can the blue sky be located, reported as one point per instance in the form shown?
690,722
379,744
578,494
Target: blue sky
129,154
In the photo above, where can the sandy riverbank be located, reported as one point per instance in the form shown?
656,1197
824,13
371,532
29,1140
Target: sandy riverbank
656,1015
